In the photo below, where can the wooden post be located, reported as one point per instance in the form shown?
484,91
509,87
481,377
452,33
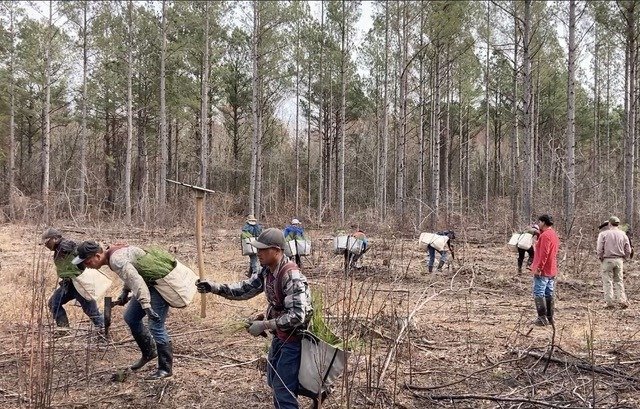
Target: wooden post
199,217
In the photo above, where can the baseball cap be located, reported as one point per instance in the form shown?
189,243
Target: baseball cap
51,233
271,237
614,220
295,221
86,249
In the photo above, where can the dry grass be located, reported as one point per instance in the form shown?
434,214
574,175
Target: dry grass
469,339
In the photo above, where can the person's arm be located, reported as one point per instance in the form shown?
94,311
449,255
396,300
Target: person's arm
600,246
242,290
120,262
627,247
297,301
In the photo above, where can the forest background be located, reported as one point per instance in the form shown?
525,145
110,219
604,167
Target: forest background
442,113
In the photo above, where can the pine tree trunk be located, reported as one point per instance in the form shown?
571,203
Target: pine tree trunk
12,115
83,123
630,96
515,157
204,99
163,142
320,119
569,193
254,107
128,154
385,121
343,110
297,143
527,177
435,162
486,99
46,137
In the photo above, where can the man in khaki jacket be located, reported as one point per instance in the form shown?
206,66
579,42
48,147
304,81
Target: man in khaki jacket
613,248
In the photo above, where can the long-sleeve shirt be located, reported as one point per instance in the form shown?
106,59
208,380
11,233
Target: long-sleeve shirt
296,308
546,255
293,231
613,243
253,229
121,261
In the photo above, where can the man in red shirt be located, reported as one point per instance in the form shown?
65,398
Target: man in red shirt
544,269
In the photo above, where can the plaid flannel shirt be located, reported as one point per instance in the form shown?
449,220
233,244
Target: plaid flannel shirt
297,296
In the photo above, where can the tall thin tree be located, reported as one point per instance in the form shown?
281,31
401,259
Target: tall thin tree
570,182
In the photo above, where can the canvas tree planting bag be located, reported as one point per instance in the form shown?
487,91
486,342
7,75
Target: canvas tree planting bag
178,287
320,365
92,284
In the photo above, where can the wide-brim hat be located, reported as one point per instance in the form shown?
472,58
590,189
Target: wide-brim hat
251,219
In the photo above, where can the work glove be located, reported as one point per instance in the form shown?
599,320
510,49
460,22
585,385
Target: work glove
207,286
123,298
259,327
151,314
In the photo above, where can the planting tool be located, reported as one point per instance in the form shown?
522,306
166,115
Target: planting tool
200,192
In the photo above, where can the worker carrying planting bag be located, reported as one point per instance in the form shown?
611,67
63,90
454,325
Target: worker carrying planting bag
287,316
64,252
251,230
443,253
157,281
533,230
294,231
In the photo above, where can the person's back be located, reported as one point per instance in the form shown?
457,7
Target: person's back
546,253
613,243
253,229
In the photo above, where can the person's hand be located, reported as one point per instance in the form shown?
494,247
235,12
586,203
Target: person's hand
207,287
258,327
123,298
151,314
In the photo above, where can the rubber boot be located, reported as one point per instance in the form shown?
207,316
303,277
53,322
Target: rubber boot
440,265
550,305
431,269
147,347
62,321
165,363
541,307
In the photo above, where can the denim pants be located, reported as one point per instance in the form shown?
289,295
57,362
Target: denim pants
253,264
282,372
432,256
543,286
67,292
134,314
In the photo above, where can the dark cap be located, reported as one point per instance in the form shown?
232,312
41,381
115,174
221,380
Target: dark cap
271,237
86,249
51,233
546,219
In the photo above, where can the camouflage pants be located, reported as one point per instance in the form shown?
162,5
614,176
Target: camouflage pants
613,281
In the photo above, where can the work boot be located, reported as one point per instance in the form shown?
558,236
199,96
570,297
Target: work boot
541,307
431,269
62,321
147,347
165,363
550,303
440,265
519,270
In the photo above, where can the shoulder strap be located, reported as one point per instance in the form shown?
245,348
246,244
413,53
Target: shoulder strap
279,280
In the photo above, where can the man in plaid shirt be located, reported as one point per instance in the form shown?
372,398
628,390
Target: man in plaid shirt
288,313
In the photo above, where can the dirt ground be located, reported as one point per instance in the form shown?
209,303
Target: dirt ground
458,339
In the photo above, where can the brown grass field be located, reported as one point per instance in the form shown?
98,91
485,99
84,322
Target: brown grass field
458,339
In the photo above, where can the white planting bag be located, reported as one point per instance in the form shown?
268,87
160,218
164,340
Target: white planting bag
436,241
179,286
340,244
320,365
303,247
355,245
513,242
247,248
290,248
525,241
92,284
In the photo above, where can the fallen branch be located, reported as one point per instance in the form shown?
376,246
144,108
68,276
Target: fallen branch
239,364
585,367
490,398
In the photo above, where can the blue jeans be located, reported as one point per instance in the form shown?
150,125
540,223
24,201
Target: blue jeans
543,286
282,372
134,314
67,292
253,263
432,256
